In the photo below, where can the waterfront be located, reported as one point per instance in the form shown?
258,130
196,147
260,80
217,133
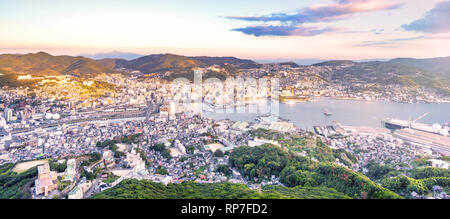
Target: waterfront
347,112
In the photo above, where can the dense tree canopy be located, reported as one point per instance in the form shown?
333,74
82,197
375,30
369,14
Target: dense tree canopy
144,189
377,171
14,185
427,172
259,162
293,170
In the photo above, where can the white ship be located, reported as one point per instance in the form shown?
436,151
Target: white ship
402,124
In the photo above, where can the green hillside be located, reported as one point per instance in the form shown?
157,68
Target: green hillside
222,61
15,185
264,161
177,64
145,189
45,64
160,63
437,65
9,79
386,73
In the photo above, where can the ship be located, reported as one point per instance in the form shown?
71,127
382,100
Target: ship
396,124
326,113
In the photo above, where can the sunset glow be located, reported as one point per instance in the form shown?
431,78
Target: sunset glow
324,29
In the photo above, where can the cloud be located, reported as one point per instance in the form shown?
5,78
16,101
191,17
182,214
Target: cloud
327,12
437,20
390,42
340,9
377,31
280,30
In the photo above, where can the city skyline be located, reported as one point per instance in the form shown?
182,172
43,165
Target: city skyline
325,29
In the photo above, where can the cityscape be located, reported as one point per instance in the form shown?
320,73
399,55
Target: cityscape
184,124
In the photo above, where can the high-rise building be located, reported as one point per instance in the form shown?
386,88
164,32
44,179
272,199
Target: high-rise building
172,111
8,114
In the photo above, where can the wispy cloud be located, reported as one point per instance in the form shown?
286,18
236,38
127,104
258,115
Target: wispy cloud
437,20
292,24
281,30
377,31
396,41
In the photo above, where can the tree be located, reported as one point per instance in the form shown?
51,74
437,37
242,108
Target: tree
218,153
427,172
223,169
162,150
58,167
162,170
377,171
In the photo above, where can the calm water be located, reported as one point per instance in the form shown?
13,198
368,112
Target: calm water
347,112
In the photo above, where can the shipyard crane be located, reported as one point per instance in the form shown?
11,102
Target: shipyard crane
421,117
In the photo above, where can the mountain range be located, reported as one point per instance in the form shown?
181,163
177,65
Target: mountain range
420,71
430,73
42,63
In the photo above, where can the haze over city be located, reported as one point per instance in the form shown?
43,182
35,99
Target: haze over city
253,29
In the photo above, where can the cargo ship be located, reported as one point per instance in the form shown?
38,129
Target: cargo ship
395,124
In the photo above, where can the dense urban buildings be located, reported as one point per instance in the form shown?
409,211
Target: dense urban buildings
152,129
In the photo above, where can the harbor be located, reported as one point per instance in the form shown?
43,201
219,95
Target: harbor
305,115
338,118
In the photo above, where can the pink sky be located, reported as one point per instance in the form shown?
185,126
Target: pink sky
323,29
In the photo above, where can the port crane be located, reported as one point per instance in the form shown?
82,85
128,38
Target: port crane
421,117
417,119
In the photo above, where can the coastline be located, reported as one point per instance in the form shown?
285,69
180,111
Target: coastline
315,98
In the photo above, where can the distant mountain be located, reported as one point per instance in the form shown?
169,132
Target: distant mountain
372,60
113,55
239,63
350,72
42,63
291,64
335,63
45,64
112,63
161,63
431,73
437,65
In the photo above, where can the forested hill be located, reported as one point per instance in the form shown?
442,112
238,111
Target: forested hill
395,72
262,162
176,63
438,65
42,63
222,61
145,189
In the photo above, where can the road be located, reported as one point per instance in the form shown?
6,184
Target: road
93,188
75,121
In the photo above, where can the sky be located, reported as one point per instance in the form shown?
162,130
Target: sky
254,29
